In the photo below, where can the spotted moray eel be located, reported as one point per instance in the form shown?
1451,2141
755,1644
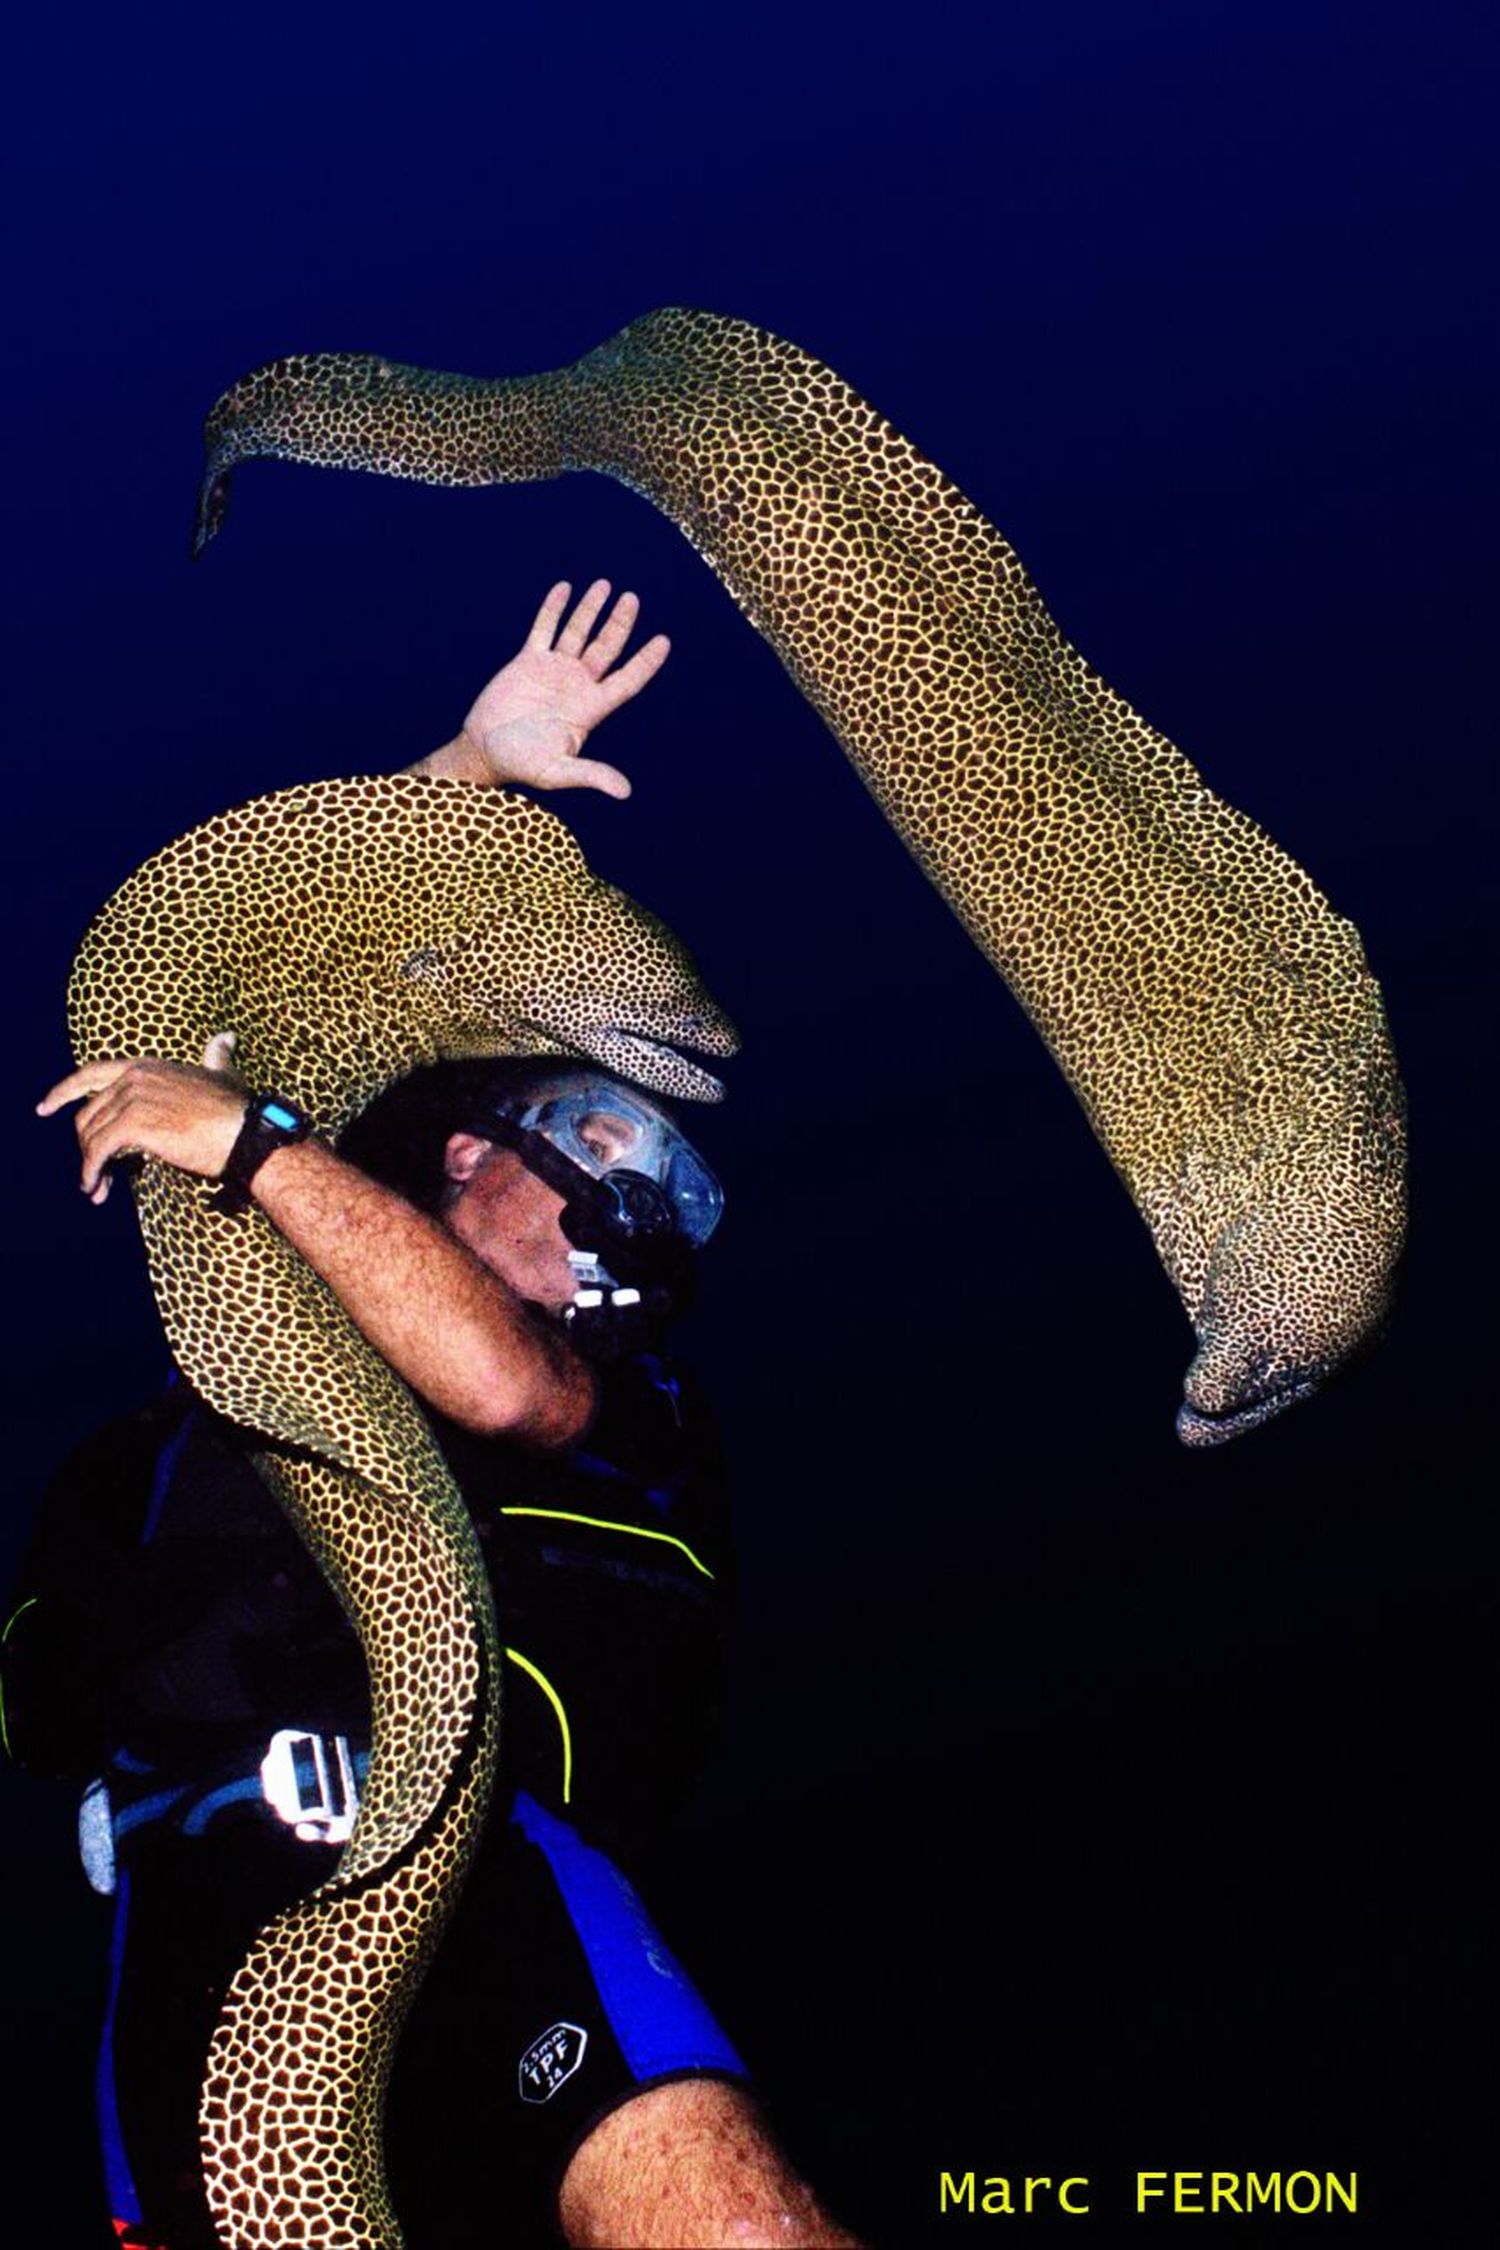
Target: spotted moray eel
347,932
1214,1015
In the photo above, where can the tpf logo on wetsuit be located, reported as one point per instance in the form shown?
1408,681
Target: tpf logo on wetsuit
551,2060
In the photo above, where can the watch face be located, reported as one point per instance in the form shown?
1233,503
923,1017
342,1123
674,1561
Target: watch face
276,1113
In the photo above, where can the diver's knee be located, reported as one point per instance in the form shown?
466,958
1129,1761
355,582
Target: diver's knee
690,2165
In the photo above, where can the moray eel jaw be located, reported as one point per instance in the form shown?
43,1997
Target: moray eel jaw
1203,1429
1258,1355
652,1063
1231,1387
213,506
628,994
635,1055
642,1057
647,1005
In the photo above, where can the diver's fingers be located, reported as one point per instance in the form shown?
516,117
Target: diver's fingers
611,636
589,773
218,1054
90,1078
632,677
103,1132
99,1105
97,1163
579,626
545,623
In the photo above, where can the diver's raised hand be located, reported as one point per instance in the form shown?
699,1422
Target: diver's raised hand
140,1106
532,720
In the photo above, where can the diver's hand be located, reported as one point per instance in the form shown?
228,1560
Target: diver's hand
531,722
188,1117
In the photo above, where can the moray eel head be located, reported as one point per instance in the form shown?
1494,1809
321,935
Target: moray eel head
1297,1287
258,414
290,409
632,1001
358,410
350,931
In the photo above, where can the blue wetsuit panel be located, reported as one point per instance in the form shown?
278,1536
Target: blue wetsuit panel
661,2022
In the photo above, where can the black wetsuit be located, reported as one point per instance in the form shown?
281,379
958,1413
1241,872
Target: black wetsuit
168,1624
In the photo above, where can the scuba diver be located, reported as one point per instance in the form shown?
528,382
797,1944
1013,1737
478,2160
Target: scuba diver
515,1238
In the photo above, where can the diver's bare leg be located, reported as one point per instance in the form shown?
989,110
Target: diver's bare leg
690,2166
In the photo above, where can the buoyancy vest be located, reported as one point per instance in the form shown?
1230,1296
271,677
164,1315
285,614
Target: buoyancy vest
166,1608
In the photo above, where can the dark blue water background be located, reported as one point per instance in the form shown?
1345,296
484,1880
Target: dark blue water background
1083,1804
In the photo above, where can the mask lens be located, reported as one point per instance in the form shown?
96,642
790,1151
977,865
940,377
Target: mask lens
694,1193
610,1138
606,1133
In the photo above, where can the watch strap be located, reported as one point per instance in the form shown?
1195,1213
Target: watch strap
270,1123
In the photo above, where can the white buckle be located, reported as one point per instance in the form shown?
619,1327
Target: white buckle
315,1796
96,1838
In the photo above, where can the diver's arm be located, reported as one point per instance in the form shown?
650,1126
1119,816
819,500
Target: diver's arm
532,720
447,1325
452,1329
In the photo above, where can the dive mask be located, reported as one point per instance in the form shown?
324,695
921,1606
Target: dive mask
637,1195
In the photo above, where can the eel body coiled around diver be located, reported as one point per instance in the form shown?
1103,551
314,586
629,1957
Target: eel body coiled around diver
347,932
1216,1018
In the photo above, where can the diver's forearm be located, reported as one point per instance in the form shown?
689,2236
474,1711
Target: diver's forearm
455,1332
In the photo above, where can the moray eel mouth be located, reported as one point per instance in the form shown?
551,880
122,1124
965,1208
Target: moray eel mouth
1268,1391
651,1062
645,1061
1198,1427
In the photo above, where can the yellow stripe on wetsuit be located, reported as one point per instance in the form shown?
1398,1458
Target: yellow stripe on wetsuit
556,1702
595,1523
605,1523
18,1612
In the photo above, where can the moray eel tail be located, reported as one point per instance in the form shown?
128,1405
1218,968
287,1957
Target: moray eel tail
356,410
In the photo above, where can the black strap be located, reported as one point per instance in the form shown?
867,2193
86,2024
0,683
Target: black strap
270,1123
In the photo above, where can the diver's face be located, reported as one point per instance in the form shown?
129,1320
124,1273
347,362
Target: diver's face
509,1219
608,1137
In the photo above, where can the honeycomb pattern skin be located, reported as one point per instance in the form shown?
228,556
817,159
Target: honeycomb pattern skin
1213,1014
347,932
